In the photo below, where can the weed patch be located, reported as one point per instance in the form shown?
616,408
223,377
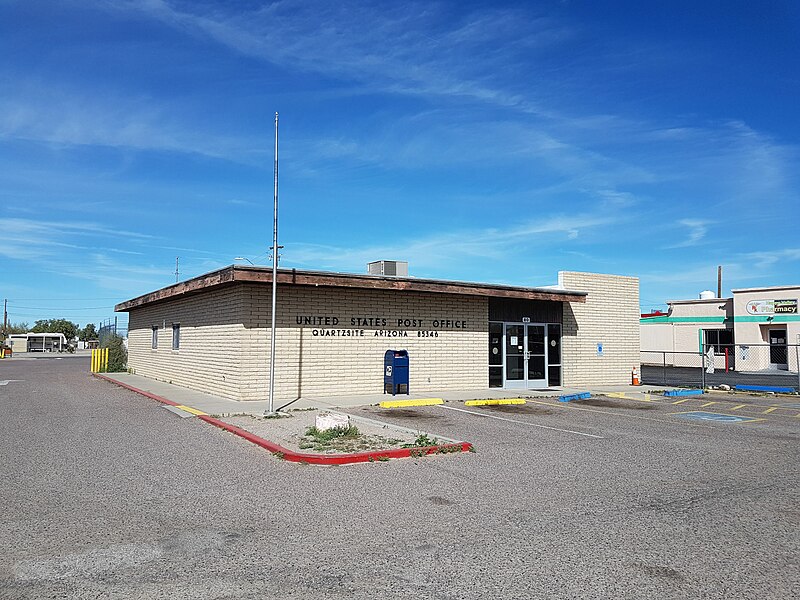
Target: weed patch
343,439
422,441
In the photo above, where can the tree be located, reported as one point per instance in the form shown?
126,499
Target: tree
88,333
68,328
20,327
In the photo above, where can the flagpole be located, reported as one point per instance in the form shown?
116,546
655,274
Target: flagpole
271,410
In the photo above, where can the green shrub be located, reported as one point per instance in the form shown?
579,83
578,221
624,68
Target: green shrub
117,355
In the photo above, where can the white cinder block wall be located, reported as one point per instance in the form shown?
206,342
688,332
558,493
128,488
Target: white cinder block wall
609,316
225,341
212,330
310,364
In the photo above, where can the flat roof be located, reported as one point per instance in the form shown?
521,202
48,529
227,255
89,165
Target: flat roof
699,301
37,335
775,288
261,275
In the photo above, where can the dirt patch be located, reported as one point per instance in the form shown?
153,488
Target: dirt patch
406,413
608,403
659,571
520,409
440,501
297,431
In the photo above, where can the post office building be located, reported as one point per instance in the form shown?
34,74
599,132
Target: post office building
212,333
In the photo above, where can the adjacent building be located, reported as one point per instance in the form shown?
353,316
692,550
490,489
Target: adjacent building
212,333
37,342
756,329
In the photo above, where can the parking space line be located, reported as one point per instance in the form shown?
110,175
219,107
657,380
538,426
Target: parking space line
624,396
707,404
572,406
738,407
681,401
478,414
770,409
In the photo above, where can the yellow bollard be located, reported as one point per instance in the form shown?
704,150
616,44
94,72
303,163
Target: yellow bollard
94,361
105,360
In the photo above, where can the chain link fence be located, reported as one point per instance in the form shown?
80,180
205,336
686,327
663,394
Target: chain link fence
730,364
109,328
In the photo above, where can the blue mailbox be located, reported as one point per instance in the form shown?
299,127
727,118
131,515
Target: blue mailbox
395,372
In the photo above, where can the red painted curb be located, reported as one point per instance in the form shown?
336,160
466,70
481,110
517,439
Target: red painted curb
301,457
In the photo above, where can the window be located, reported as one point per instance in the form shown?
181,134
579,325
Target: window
495,355
720,339
176,336
155,337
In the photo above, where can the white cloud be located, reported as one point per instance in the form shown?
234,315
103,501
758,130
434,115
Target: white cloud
442,250
697,230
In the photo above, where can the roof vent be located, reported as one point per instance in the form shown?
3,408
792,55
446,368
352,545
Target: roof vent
390,268
707,295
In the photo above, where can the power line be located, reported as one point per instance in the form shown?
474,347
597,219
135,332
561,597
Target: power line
63,299
58,308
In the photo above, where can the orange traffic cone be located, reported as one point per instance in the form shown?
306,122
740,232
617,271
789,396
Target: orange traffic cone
635,376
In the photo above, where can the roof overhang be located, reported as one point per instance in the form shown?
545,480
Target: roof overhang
263,275
699,301
776,288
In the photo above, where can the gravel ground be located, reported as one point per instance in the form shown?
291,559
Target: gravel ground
107,495
290,432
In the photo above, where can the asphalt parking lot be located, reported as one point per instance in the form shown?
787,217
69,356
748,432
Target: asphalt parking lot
107,495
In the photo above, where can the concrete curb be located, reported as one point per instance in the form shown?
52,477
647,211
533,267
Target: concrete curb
301,457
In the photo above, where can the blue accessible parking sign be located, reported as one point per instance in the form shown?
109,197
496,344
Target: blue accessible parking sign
699,415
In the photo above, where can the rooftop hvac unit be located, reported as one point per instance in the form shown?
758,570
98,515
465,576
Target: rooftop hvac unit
391,268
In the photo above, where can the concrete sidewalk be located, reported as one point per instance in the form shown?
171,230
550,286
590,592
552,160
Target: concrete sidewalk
215,405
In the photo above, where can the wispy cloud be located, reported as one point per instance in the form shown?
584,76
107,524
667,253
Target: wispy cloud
767,259
436,252
417,49
45,112
696,232
30,239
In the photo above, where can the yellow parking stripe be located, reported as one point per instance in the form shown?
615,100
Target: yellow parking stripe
738,407
770,409
404,403
707,404
497,402
681,401
189,409
624,396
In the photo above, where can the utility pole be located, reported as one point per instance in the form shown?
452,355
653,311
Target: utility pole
271,410
5,319
719,281
176,269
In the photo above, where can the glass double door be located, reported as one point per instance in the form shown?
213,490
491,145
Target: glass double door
525,355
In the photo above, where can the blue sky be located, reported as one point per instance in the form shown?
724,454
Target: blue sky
486,142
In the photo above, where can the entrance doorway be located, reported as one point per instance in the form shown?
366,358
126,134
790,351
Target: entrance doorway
524,355
778,351
526,363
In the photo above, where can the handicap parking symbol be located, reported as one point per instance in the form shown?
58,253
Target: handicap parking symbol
699,415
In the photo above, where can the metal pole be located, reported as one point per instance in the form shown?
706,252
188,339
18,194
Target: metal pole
797,360
664,370
274,279
702,367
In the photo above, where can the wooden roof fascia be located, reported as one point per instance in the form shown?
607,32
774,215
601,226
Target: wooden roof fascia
237,274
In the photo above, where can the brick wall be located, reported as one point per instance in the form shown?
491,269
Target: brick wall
310,363
212,330
610,316
225,341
